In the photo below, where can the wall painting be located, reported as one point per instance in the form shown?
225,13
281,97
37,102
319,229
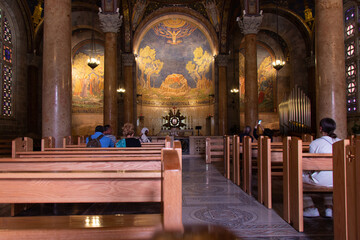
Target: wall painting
87,83
266,79
174,65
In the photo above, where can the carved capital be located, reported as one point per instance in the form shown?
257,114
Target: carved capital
128,59
110,22
249,24
222,60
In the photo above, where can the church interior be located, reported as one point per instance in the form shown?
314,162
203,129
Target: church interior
189,69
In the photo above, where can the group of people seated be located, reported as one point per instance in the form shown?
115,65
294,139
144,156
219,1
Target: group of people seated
320,178
103,137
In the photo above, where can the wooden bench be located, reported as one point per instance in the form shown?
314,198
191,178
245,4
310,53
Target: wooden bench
346,194
214,149
96,179
299,162
5,147
69,141
229,154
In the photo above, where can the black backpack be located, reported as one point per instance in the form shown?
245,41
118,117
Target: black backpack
94,142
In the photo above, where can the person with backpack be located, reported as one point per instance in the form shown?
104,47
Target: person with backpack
98,139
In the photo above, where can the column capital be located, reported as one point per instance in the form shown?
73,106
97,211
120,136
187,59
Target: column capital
110,22
222,60
249,24
128,59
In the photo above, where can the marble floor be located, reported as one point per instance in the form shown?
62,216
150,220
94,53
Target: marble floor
209,199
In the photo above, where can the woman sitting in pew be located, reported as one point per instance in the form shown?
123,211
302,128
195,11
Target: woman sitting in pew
321,178
129,140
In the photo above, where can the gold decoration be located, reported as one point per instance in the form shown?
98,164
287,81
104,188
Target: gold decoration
36,17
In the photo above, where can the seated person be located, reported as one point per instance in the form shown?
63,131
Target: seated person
98,137
259,130
129,140
144,138
108,133
321,178
246,132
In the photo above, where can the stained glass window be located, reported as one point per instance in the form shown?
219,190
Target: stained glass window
6,68
349,14
350,30
350,50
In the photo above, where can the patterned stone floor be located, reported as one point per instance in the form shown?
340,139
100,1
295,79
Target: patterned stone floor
211,199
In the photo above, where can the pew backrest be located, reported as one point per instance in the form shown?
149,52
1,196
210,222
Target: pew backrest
5,147
214,149
346,195
300,161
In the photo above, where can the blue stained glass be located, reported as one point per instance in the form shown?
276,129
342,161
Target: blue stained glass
7,54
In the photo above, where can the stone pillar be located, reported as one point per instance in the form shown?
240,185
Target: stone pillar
221,61
310,63
249,24
56,93
330,62
110,24
33,95
128,63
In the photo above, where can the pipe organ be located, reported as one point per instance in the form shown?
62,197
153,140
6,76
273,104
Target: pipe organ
295,113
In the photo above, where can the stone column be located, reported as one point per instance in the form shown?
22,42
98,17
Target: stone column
310,64
110,24
33,95
128,63
330,62
249,24
221,61
56,93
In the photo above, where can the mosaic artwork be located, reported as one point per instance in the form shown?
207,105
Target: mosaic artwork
174,65
266,80
87,83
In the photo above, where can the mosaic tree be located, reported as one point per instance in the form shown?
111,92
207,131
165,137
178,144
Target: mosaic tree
148,65
200,67
174,29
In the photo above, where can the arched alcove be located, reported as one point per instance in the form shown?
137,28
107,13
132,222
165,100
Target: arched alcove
175,69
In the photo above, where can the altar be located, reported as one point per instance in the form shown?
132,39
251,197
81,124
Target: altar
176,132
175,124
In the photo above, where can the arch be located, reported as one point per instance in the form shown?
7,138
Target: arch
177,12
299,48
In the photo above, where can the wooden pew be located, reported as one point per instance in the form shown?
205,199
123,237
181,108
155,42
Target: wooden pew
48,144
269,159
346,195
214,149
69,141
5,147
300,161
230,151
67,180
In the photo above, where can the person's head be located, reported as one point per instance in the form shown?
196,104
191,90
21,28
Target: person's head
107,129
99,128
327,127
144,131
247,130
128,130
